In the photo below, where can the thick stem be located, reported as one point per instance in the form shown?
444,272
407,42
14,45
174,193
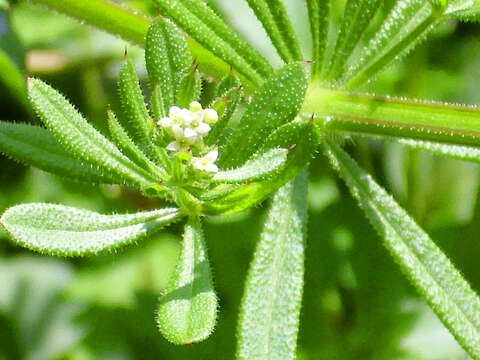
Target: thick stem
128,25
347,112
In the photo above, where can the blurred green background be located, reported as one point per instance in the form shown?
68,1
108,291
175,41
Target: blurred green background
356,305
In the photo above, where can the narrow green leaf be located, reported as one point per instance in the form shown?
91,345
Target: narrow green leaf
269,315
225,108
35,146
12,78
259,167
226,84
356,18
199,21
318,16
466,10
275,21
407,24
302,141
431,272
189,88
467,153
275,103
79,138
138,123
168,59
129,149
66,231
187,311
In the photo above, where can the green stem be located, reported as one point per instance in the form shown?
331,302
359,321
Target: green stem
128,25
342,111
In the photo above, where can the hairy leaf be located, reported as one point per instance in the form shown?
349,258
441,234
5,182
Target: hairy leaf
199,21
167,58
187,311
275,21
302,140
35,146
129,148
189,88
467,10
467,153
318,16
407,24
275,103
431,272
80,138
138,123
358,15
259,167
67,231
269,315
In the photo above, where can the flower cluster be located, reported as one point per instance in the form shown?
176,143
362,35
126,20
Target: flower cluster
188,127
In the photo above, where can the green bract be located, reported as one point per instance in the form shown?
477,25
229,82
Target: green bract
250,136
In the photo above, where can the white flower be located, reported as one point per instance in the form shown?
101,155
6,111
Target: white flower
207,162
165,122
174,110
177,146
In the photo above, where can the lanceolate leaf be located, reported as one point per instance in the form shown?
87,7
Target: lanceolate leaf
80,138
357,17
467,153
407,24
467,10
318,16
12,78
259,167
271,304
189,88
129,148
276,103
200,22
33,145
434,276
66,231
138,123
187,311
274,18
167,58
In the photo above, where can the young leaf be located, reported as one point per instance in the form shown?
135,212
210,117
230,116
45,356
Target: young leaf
138,123
274,18
199,21
318,16
276,103
187,311
259,167
357,16
80,138
189,88
66,231
167,58
269,315
226,84
407,24
431,272
128,147
35,146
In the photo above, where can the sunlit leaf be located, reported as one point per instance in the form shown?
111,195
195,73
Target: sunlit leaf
67,231
187,311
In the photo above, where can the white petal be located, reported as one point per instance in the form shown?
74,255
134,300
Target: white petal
211,156
211,168
174,110
197,163
165,122
177,131
190,133
203,128
173,146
